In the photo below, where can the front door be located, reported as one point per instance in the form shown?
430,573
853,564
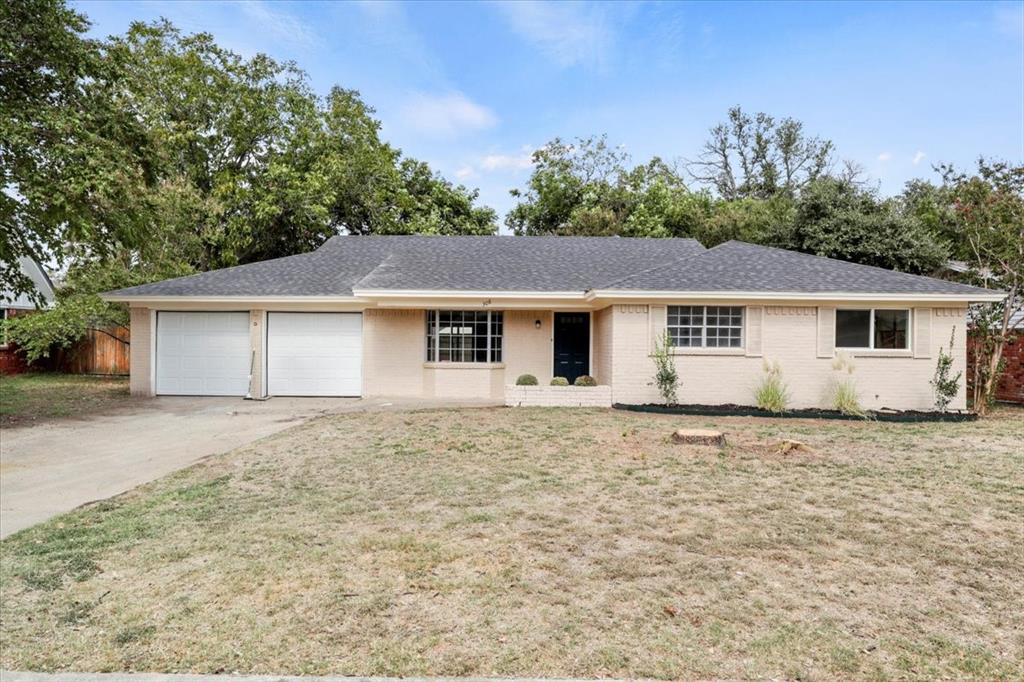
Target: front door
572,345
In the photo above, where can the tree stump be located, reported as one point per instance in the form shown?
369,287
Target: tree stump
699,437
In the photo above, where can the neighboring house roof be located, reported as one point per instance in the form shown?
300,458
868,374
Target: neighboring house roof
40,280
366,265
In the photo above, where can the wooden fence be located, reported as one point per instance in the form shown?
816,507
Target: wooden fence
101,352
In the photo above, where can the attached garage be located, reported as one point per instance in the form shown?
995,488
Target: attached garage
314,354
202,353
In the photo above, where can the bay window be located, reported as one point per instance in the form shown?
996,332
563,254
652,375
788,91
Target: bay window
464,335
873,329
699,326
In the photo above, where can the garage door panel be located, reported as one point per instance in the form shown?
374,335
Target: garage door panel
314,354
202,353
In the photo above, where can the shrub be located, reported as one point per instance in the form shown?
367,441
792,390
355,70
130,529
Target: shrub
559,381
772,394
526,380
945,387
585,380
844,389
665,376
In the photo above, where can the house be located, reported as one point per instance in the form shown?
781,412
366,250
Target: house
462,317
11,305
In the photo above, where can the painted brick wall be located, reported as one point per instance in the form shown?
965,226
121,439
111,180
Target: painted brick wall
602,351
394,348
140,382
789,335
527,350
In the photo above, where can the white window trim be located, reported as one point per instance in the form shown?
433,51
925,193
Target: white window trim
870,348
703,348
436,346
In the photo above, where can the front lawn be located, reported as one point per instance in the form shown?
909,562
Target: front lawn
545,542
31,398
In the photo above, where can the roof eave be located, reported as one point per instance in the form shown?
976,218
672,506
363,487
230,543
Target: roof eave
993,297
154,298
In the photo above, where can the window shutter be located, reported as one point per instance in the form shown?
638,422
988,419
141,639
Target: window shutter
826,331
922,332
755,325
658,321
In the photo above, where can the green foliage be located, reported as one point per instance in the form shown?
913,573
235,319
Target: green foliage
843,389
75,162
559,381
527,380
666,378
586,188
838,219
772,393
585,380
945,385
988,216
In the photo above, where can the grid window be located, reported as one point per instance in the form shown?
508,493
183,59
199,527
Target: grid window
464,336
695,326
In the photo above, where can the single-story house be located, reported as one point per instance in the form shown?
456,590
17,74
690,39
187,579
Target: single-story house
462,317
11,305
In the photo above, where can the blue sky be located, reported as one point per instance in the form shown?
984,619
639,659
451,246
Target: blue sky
472,88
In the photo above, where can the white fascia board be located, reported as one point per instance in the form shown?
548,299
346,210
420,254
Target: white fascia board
595,294
462,293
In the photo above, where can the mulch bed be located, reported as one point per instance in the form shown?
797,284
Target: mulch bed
807,413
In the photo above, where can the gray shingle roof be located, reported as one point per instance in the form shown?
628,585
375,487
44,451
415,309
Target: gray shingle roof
739,266
542,264
539,264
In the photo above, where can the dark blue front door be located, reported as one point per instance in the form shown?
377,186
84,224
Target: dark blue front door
572,345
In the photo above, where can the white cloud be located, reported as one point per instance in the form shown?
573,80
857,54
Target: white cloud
919,157
884,156
568,33
497,162
465,173
447,114
281,25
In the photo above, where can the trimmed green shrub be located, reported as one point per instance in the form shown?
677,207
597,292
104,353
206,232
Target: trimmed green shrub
772,394
559,381
585,380
526,380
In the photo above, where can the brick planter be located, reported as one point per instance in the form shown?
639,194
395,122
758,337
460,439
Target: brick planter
558,396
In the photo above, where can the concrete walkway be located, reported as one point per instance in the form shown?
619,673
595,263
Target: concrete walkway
6,676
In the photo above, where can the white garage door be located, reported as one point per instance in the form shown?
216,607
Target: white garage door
314,354
202,353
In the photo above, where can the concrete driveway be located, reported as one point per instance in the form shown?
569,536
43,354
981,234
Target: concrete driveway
52,468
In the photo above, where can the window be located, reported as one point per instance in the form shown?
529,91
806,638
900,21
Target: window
3,328
464,336
875,328
697,326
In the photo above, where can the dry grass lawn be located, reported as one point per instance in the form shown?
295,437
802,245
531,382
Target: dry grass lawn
27,399
581,543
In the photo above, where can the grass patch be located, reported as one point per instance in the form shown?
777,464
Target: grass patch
30,398
550,543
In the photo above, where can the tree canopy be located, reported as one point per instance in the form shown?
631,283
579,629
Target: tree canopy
109,146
